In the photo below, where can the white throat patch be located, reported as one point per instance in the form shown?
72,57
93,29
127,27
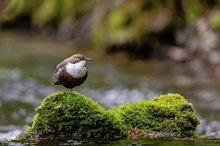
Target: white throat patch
76,70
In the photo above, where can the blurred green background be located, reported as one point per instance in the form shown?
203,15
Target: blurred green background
143,28
140,48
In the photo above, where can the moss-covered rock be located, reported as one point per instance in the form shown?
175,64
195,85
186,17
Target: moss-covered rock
169,114
70,114
73,115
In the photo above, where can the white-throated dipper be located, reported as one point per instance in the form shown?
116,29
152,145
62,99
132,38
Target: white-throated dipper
72,72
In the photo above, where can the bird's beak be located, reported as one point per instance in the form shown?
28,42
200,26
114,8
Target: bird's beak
88,59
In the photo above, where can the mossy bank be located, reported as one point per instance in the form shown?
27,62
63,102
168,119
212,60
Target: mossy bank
73,115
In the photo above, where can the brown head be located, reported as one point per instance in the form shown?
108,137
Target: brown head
76,58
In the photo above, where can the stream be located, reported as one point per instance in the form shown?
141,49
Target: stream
28,62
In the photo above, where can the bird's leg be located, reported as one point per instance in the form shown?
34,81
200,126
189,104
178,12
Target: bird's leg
72,90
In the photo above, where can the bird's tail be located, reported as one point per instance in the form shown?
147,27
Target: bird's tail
57,83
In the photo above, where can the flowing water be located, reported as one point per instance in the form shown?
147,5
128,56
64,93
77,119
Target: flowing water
28,62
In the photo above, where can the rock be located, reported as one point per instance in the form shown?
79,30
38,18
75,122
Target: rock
70,114
165,115
73,115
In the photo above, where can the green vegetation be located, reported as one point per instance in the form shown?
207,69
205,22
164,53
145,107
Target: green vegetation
169,113
108,22
73,115
65,114
141,28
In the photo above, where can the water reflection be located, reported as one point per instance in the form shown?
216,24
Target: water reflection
27,78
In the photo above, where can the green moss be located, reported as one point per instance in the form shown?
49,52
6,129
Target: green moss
170,114
26,135
73,115
65,114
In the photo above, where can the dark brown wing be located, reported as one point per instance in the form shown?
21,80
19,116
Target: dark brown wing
59,67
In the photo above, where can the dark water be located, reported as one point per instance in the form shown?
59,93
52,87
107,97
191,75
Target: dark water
125,142
27,65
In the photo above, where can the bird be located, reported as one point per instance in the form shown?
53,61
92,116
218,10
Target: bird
72,71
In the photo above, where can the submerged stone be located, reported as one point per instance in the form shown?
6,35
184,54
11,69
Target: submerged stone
73,115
